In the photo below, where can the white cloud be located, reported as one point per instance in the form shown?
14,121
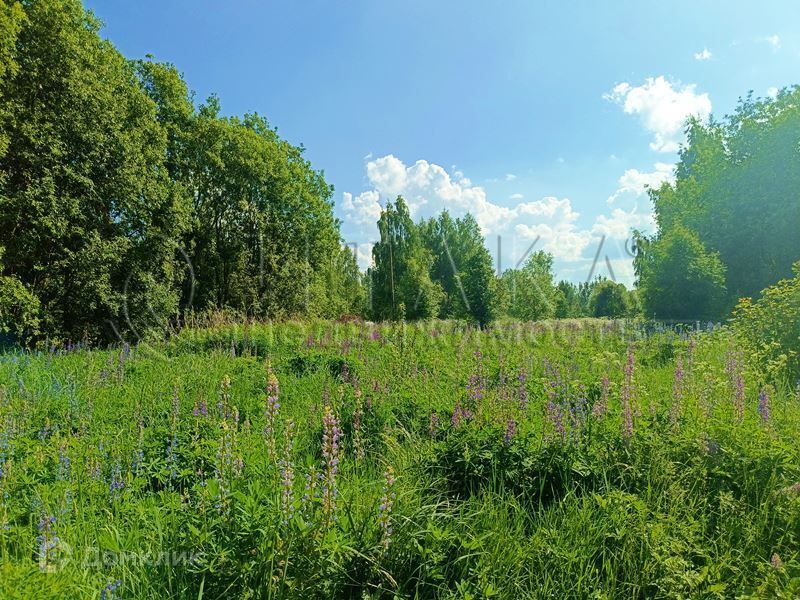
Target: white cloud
705,54
663,108
774,41
364,208
550,222
634,183
620,223
510,177
428,189
772,92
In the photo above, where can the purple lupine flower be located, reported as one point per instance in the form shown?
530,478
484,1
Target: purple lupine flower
200,408
47,540
677,393
63,463
763,405
511,431
331,434
109,591
385,507
600,407
577,415
286,467
555,418
433,425
116,484
172,456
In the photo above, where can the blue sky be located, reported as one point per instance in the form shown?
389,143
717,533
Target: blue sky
546,121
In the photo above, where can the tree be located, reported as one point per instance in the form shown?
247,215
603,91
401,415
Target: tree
462,266
679,278
262,236
609,299
88,215
530,292
400,282
737,180
568,301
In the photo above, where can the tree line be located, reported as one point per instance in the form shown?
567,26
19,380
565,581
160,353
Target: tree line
441,268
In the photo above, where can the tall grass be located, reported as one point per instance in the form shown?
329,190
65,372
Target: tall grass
318,459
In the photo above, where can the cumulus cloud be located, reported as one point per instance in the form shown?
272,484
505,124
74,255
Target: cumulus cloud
620,223
549,224
634,183
774,41
705,54
772,92
662,107
510,177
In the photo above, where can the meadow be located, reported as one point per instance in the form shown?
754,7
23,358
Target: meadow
576,458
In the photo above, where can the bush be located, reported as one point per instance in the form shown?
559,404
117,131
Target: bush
770,326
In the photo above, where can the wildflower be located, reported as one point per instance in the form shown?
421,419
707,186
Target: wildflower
460,414
776,561
309,493
200,408
385,507
763,405
116,484
511,431
433,425
63,463
331,435
555,417
109,591
47,540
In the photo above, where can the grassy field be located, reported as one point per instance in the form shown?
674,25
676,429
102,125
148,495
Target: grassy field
584,459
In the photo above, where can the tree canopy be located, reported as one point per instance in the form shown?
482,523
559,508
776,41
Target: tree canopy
727,227
124,204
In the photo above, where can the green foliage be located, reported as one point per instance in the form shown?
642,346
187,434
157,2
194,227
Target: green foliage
19,309
770,327
400,282
529,292
462,266
89,215
737,191
123,205
609,299
679,278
